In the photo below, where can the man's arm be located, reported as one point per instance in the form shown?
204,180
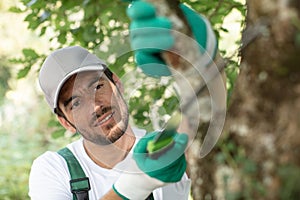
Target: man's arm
49,179
144,173
111,195
152,35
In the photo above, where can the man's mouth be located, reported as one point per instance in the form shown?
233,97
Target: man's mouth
101,120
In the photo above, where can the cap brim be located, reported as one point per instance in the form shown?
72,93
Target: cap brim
98,67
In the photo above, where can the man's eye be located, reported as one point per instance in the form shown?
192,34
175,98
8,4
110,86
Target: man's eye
75,104
99,86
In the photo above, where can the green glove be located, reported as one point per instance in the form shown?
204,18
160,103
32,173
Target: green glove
150,35
145,174
168,167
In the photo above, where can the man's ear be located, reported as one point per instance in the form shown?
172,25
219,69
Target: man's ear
66,124
118,83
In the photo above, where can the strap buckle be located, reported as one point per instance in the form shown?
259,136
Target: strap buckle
80,188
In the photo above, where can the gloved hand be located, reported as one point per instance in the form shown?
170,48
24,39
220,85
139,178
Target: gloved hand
146,174
150,35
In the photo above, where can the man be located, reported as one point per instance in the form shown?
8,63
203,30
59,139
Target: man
87,98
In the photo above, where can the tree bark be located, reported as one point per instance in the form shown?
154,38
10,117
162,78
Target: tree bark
263,118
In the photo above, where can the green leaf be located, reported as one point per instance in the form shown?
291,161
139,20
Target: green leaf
29,18
58,133
43,30
15,60
34,25
30,54
53,123
90,33
15,10
220,158
23,72
250,167
62,38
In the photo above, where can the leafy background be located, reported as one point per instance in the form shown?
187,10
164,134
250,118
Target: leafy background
32,28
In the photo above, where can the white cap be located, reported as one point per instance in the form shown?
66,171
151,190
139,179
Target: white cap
61,65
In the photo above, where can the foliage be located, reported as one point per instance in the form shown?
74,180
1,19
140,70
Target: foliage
159,101
231,70
5,75
236,158
95,25
22,140
15,166
30,58
216,11
102,27
290,177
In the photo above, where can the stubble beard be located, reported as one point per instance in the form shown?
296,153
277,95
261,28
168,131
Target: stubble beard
109,133
112,131
115,131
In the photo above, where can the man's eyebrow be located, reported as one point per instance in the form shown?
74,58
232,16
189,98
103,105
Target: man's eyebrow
95,80
66,102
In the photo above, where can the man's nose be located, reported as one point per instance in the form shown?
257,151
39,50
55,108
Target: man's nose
95,104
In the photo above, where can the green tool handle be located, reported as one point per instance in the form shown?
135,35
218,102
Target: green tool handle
163,141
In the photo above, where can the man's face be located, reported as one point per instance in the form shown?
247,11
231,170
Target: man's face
95,106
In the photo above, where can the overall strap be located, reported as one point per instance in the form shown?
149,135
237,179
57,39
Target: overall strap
150,197
79,183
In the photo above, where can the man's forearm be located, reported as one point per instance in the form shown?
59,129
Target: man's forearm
111,195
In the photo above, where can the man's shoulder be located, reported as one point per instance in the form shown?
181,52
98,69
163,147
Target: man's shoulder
49,159
49,172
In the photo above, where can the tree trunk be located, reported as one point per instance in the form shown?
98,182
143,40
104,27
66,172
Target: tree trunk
263,118
258,156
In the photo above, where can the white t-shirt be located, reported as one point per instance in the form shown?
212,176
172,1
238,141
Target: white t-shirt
49,177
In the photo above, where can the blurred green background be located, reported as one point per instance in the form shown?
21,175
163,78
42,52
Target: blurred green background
27,127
